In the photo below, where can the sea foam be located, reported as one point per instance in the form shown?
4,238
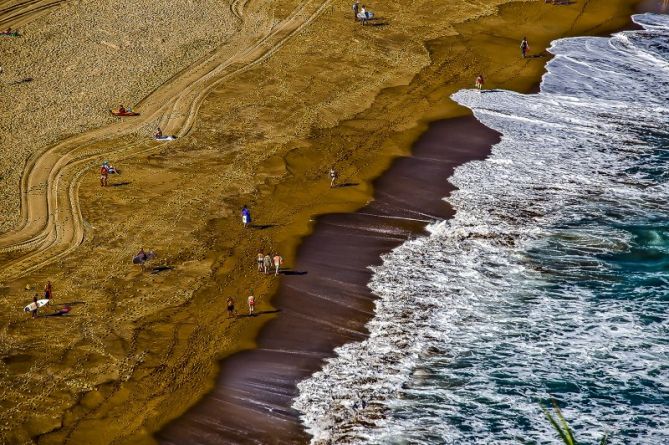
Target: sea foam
550,281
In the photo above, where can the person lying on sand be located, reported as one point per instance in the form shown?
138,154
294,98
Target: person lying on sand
142,257
110,168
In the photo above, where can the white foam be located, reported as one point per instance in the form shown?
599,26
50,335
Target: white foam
516,296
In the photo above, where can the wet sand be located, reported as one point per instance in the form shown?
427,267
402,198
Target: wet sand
139,349
324,300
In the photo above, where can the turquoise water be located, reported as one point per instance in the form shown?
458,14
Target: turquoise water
551,282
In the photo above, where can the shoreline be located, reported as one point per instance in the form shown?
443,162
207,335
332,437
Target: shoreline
260,383
325,302
120,375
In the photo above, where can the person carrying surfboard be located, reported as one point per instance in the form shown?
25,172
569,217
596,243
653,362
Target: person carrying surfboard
34,311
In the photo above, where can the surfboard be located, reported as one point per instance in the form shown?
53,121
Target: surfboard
32,306
166,138
125,113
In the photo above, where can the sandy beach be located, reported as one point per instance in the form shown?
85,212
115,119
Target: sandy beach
265,97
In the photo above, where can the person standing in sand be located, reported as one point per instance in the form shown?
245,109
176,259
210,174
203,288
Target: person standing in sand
267,264
260,260
104,175
278,261
246,216
252,304
48,290
333,177
231,307
356,9
479,82
524,47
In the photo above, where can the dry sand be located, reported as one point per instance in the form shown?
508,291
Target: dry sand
139,348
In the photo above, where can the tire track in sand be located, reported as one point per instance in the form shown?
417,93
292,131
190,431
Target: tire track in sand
17,13
51,225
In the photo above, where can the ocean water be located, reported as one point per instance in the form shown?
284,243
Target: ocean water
552,280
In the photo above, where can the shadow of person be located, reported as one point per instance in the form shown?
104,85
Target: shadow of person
255,314
293,272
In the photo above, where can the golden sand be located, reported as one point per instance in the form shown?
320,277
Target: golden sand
276,93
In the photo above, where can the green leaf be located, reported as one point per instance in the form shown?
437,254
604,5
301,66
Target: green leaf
571,440
556,426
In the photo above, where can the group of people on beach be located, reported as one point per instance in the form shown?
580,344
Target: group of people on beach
106,169
265,263
47,295
524,48
9,32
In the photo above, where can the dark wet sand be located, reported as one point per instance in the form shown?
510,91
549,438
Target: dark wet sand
324,300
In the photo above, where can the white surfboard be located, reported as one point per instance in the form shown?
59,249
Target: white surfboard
166,138
32,306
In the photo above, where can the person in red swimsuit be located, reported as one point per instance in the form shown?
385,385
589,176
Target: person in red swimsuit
104,174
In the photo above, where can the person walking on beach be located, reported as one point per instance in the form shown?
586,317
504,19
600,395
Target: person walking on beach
260,261
34,311
524,47
231,307
278,261
333,177
479,82
267,264
246,216
104,175
252,304
356,9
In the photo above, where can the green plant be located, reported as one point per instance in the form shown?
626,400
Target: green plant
561,426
